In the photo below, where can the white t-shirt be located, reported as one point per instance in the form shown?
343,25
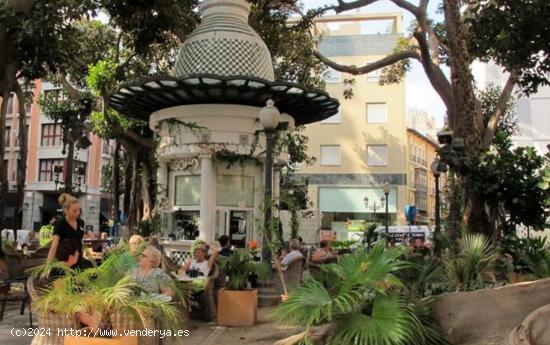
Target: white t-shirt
291,256
200,266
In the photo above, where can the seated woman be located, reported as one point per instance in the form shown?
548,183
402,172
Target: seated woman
200,265
323,254
294,246
134,244
149,277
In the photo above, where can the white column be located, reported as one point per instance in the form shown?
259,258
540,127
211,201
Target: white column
162,183
207,209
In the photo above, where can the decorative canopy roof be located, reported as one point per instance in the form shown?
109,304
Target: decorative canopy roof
156,93
223,61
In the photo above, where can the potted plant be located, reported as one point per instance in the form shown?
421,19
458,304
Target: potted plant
238,304
106,292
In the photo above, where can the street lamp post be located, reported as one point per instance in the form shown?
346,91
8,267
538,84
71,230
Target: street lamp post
374,207
269,118
387,192
437,167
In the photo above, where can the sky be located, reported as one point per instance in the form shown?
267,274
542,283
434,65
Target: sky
419,91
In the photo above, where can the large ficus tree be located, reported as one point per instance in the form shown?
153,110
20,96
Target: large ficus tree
34,37
514,33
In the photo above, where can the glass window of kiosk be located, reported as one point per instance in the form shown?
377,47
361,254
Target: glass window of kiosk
185,225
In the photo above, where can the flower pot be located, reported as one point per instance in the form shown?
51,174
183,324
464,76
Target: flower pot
517,277
125,340
237,308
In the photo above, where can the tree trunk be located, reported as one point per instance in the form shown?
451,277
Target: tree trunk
132,220
145,190
22,161
456,211
115,183
127,186
475,216
3,168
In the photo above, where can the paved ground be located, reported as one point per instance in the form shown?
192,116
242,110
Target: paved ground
266,332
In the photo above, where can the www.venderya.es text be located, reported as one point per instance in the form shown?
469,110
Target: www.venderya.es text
107,333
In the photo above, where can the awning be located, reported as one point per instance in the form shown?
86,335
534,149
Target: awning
352,200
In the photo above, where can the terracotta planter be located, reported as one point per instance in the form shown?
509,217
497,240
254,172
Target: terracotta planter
126,340
237,308
516,277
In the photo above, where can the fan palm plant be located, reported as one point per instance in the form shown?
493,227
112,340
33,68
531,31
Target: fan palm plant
475,261
359,302
104,291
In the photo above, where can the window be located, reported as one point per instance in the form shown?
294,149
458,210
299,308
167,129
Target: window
28,102
374,76
5,171
51,135
79,175
17,136
235,190
56,94
330,155
14,170
106,148
7,136
377,113
46,169
332,76
187,190
377,154
10,104
337,118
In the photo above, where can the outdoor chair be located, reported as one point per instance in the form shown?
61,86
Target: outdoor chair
49,320
292,275
13,283
168,265
206,299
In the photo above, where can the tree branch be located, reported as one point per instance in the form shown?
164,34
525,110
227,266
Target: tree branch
139,139
416,11
71,90
386,61
346,6
434,73
499,110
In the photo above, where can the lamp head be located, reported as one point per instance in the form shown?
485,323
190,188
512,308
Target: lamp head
386,187
269,116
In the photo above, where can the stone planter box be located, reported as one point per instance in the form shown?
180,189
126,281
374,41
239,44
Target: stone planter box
468,317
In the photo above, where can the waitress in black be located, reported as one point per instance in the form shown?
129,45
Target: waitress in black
70,226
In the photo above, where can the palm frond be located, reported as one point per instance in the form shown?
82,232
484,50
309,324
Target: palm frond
309,304
387,324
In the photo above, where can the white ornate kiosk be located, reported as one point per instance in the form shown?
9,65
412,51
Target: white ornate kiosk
209,110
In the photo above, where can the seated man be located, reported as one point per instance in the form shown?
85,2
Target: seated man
294,253
226,245
323,254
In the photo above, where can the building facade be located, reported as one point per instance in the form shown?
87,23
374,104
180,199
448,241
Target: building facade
421,181
45,167
365,144
532,111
